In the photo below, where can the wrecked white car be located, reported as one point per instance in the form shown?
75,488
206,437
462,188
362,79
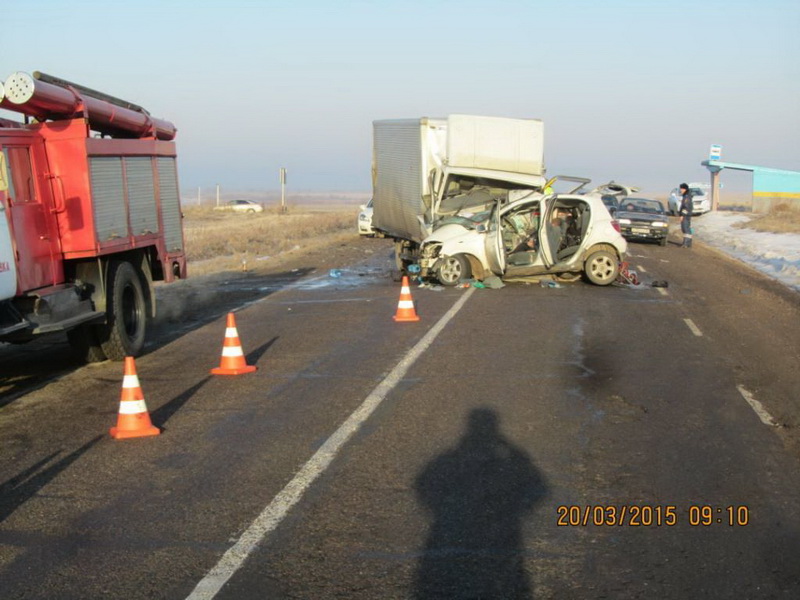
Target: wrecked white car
561,234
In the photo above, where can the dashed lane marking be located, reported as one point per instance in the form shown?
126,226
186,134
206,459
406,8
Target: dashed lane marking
694,329
279,507
662,291
757,407
641,268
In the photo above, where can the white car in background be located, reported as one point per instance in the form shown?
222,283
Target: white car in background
241,206
701,200
521,239
365,219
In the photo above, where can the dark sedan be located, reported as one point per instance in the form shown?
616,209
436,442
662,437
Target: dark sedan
643,219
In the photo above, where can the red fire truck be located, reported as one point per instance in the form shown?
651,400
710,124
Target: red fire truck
90,216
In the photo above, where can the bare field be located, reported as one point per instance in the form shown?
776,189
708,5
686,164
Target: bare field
781,219
219,241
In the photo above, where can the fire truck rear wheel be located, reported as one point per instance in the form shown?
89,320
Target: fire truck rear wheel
126,308
84,342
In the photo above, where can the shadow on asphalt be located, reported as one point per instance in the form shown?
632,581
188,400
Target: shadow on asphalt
478,494
183,307
23,486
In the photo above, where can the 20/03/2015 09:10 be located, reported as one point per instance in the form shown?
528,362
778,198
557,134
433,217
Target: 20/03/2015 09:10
705,515
645,515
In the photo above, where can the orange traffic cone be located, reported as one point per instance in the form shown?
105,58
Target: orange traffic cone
133,420
405,307
232,362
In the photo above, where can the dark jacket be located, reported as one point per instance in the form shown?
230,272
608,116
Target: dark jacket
687,205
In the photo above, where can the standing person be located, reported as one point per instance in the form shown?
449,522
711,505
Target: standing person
685,211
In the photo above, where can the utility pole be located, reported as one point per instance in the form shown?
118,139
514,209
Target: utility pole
283,189
217,194
198,195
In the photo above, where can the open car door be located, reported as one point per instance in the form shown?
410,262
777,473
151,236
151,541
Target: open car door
549,234
495,253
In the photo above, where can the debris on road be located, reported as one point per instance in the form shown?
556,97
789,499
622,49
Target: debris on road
626,275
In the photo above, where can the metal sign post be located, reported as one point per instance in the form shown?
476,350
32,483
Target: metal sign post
715,153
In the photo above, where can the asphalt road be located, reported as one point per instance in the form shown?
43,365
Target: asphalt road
527,442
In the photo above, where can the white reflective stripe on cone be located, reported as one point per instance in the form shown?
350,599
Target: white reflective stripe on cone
405,304
130,381
231,332
232,351
132,407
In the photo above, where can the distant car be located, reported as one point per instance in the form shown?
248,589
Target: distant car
241,206
701,200
365,219
643,219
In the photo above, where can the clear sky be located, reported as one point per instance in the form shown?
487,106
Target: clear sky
630,90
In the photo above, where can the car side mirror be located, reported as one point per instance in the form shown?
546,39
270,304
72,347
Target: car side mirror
480,228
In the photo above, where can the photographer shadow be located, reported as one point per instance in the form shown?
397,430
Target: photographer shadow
478,494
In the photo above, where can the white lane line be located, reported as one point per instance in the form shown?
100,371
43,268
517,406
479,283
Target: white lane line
327,301
641,268
275,511
759,409
662,291
695,330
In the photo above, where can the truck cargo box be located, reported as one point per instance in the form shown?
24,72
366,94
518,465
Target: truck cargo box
413,158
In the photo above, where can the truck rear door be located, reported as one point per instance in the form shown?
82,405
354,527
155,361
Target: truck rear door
32,222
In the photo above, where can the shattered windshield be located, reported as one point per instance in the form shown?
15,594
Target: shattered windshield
466,219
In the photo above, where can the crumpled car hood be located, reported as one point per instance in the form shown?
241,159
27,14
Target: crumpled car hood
449,232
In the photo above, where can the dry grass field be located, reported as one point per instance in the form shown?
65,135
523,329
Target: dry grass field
218,241
222,241
781,219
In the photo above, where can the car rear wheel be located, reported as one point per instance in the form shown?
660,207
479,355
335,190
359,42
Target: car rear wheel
601,267
453,269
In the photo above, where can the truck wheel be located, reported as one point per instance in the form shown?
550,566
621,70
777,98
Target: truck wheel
123,334
453,269
399,262
601,267
84,342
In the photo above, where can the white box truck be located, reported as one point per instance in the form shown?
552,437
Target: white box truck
425,169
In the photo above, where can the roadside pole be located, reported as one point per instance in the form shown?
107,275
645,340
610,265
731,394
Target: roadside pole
715,190
714,153
283,189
